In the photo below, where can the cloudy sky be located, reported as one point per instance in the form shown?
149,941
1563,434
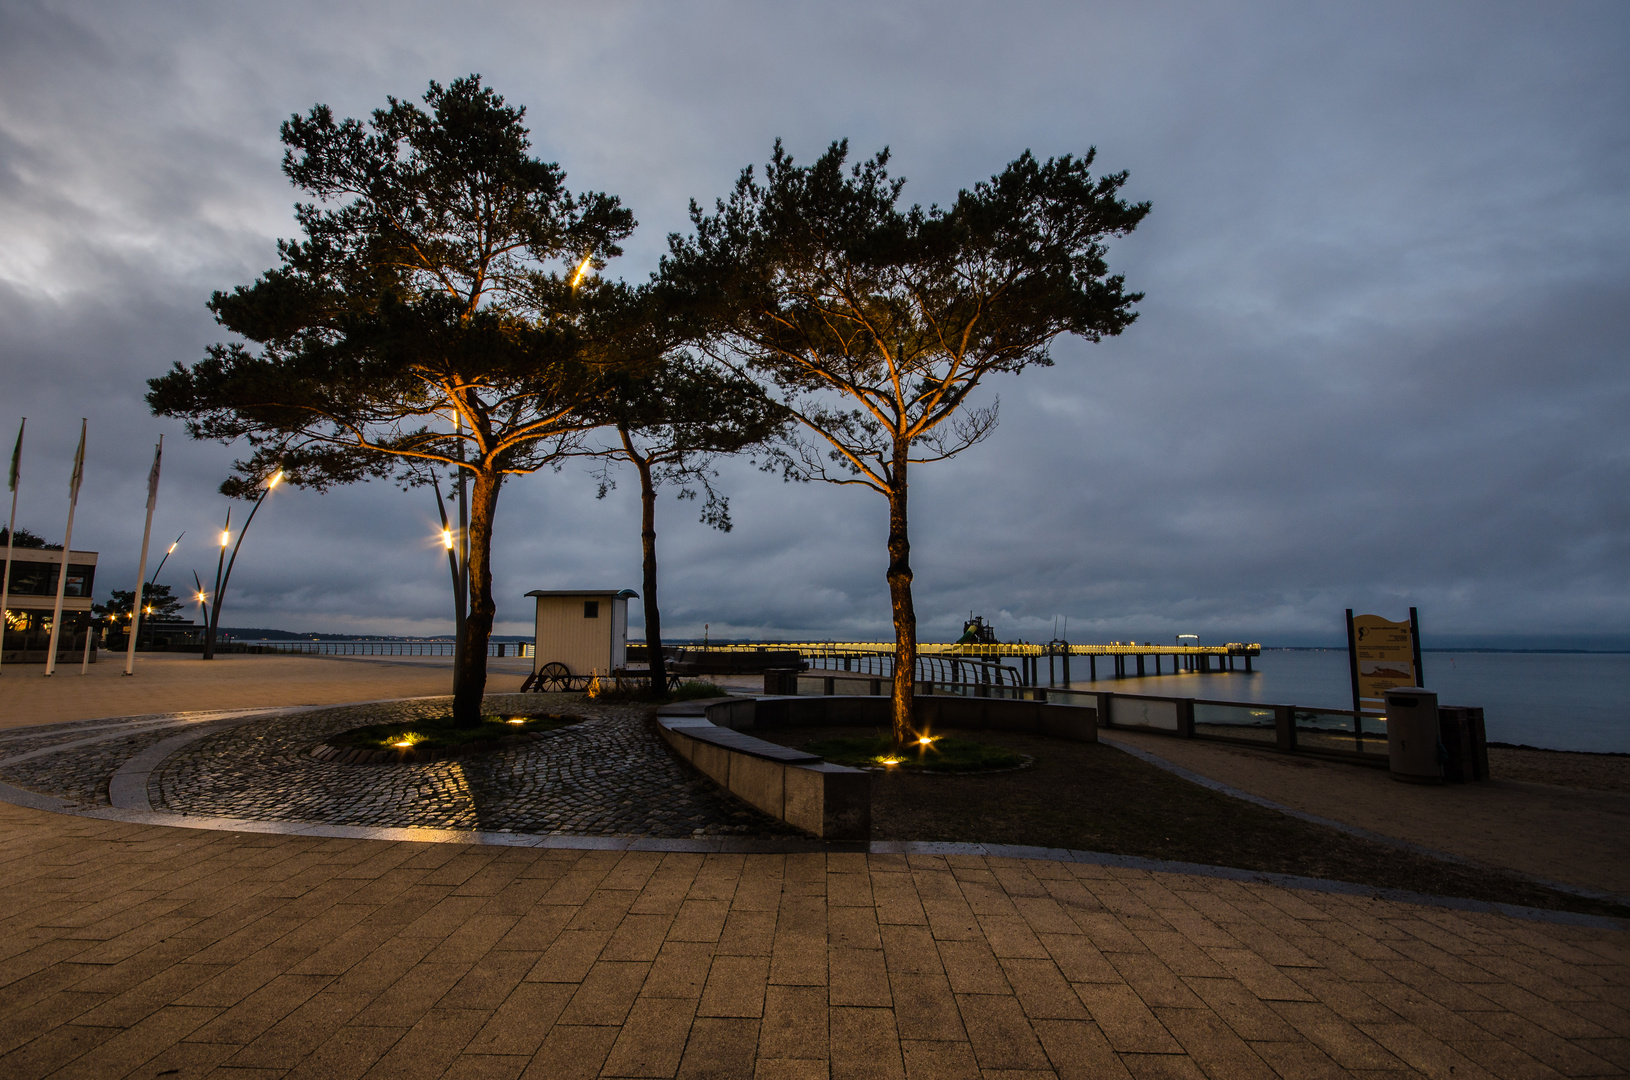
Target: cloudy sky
1381,362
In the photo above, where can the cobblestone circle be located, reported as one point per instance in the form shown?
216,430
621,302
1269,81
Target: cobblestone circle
608,776
79,774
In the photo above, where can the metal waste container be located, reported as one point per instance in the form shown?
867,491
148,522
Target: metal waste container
1413,749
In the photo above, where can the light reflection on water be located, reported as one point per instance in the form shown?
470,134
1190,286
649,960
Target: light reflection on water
1561,701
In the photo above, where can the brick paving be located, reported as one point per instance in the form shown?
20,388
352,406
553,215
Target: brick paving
145,951
140,950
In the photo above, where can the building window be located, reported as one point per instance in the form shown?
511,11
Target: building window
591,609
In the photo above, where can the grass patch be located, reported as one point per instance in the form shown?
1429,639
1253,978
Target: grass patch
438,732
937,755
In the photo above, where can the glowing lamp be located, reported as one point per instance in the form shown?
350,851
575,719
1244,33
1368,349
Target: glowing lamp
276,479
226,537
447,539
582,268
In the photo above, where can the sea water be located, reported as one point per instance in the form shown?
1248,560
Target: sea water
1559,701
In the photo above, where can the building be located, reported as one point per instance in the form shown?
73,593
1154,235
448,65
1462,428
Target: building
585,630
31,597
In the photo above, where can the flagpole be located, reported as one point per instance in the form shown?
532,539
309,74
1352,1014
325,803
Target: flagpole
67,548
11,535
141,569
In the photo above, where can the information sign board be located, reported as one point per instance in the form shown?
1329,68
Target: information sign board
1382,654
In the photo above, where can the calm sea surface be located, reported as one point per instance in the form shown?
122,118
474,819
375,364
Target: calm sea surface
1561,701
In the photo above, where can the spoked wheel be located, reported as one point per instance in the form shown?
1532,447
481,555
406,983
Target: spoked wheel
553,676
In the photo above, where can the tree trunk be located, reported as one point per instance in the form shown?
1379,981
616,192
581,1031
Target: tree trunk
471,681
905,615
648,552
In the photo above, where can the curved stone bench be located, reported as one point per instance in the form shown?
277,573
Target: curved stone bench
833,802
934,711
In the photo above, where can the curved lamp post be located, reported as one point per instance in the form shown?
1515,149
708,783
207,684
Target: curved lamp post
223,575
144,622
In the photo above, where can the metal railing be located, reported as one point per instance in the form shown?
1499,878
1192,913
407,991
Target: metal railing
1339,733
948,670
357,648
1292,728
968,649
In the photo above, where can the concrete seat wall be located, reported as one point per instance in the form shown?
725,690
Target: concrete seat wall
934,712
830,801
833,802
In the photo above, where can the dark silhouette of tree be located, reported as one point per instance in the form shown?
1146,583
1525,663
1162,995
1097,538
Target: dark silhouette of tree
430,314
26,539
157,599
873,324
670,420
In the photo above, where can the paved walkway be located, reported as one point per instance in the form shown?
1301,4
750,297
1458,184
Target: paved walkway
1570,835
178,682
144,951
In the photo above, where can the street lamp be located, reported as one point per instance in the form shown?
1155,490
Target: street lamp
582,268
222,576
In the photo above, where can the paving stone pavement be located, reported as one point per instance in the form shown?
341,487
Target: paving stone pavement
146,951
607,776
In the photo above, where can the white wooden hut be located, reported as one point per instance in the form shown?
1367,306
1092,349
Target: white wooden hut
586,630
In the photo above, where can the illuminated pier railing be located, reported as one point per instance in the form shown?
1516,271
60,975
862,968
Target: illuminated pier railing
999,649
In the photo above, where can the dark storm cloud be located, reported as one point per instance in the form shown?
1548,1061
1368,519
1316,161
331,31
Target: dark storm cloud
1381,362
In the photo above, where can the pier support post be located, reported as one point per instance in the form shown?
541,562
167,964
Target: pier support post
1140,665
1066,666
1247,663
1092,669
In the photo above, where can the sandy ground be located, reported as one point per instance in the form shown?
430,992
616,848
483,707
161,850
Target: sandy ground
1562,833
1564,768
177,682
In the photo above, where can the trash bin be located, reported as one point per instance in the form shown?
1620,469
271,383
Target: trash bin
1413,749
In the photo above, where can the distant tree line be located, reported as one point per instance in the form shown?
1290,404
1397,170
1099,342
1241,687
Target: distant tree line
443,315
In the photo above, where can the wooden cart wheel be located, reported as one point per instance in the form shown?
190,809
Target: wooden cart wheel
554,676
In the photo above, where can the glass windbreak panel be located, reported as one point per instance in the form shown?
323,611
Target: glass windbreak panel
1235,721
1144,712
1316,730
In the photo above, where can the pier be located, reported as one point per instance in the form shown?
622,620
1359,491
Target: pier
1125,659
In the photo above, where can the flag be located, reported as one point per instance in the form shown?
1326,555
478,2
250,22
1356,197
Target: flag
152,477
79,464
16,457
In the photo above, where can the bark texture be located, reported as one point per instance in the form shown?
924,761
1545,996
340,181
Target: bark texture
470,684
905,615
648,582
